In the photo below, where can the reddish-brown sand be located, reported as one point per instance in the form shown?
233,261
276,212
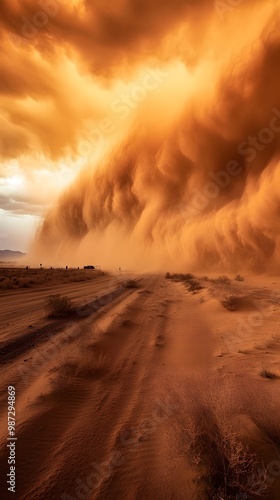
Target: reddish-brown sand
103,398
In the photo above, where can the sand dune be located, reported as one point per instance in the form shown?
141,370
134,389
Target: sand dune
105,404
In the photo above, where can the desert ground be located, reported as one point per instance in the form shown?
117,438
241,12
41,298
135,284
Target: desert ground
153,387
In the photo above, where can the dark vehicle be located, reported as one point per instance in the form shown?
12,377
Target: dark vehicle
89,267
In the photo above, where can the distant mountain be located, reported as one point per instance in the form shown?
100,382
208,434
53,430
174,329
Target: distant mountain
10,255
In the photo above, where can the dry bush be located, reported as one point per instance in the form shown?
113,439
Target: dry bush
58,305
184,277
193,286
262,406
25,278
187,277
224,463
175,276
238,277
25,283
222,280
230,302
89,361
60,383
268,374
180,277
131,284
7,284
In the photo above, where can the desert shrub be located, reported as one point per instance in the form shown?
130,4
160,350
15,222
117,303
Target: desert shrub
7,284
175,277
222,280
193,286
180,277
230,302
268,374
25,283
230,468
188,277
22,278
60,384
131,284
238,277
58,305
225,464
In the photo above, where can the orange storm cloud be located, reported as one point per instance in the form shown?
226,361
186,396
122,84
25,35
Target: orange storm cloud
168,113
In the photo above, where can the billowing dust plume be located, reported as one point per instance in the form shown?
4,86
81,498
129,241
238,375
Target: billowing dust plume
191,179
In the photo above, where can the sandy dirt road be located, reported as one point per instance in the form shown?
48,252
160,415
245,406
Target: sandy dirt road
25,307
101,406
97,408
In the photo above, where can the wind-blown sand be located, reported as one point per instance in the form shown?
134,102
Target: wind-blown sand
104,400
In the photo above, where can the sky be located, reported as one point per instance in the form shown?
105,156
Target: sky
58,86
149,128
